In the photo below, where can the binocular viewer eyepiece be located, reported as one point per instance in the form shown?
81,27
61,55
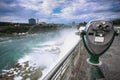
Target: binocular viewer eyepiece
102,27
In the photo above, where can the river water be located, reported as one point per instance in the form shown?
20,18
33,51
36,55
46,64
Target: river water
41,50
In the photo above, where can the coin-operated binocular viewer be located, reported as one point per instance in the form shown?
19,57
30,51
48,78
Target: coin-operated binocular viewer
97,38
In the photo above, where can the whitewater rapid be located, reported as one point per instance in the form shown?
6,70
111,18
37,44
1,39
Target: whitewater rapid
47,54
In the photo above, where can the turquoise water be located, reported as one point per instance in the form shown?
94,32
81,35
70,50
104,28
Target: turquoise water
14,48
43,50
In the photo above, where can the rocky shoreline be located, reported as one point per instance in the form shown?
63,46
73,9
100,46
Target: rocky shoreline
22,71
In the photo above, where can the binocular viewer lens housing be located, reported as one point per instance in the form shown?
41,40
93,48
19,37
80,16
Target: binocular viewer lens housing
99,35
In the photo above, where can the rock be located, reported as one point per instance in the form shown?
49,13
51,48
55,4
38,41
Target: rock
26,64
10,77
36,74
24,71
17,65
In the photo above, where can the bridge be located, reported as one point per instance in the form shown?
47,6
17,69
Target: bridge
73,65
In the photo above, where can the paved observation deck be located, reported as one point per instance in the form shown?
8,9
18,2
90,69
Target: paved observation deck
110,63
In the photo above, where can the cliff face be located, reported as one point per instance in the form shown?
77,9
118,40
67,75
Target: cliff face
116,22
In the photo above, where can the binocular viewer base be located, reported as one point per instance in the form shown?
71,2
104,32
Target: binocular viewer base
95,64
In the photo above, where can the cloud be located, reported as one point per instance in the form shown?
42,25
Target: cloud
90,10
7,6
41,6
59,10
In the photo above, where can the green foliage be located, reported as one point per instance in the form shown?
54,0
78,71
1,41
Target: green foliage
14,29
43,27
10,28
12,24
82,24
116,22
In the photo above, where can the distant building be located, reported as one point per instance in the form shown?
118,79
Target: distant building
37,21
32,21
73,23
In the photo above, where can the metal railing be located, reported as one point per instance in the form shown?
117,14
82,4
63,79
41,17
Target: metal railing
64,69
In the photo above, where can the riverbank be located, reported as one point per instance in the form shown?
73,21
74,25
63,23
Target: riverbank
20,29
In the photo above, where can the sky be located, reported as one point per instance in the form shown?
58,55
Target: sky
58,11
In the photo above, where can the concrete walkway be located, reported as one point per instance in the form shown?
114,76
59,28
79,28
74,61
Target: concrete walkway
110,60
